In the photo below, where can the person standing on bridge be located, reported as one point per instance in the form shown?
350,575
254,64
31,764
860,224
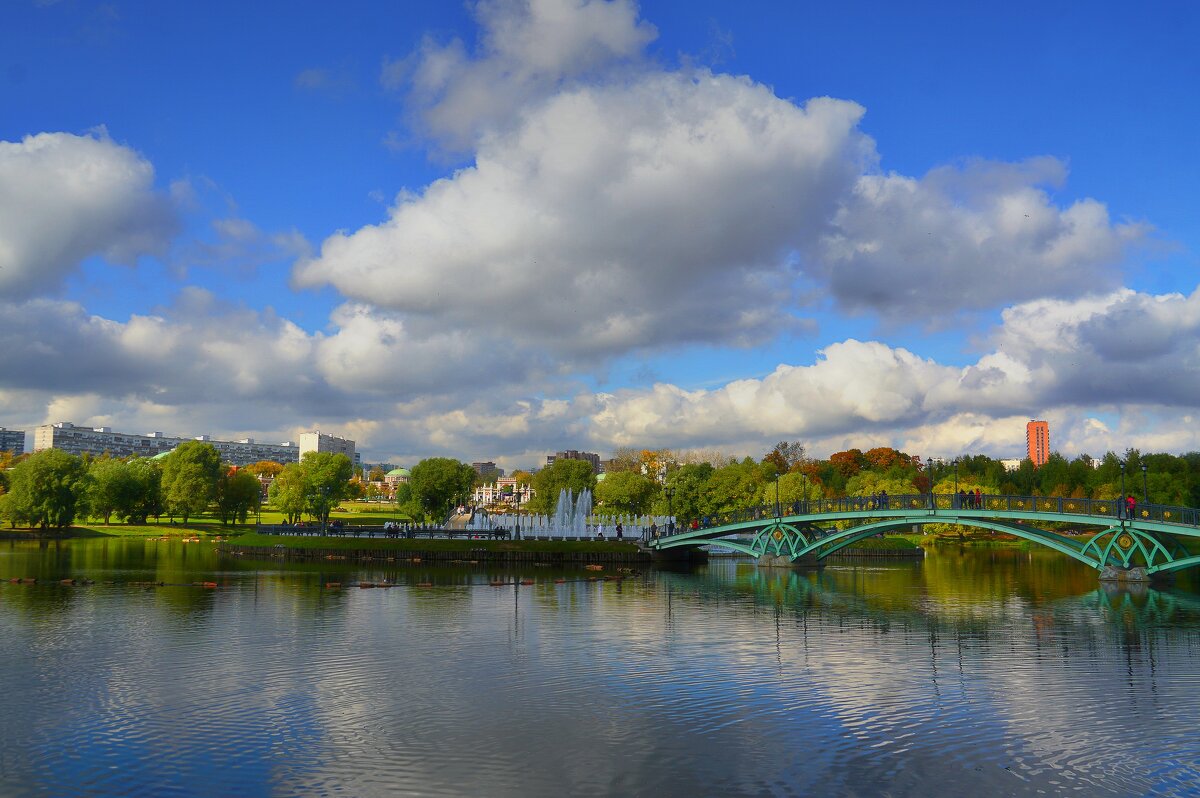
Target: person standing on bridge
978,499
883,500
1130,507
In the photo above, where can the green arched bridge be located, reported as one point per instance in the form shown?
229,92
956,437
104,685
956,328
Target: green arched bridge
1149,542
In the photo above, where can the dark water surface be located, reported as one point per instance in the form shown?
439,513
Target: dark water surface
976,672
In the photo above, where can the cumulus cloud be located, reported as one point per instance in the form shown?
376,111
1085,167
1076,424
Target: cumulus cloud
1123,352
620,206
64,198
528,48
966,238
616,218
203,366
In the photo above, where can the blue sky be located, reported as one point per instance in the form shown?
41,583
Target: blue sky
742,266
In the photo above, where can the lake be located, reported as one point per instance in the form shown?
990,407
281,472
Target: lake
985,671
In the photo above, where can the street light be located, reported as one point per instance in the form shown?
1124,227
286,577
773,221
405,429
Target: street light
929,473
1121,498
955,479
1145,486
776,497
670,514
517,503
804,491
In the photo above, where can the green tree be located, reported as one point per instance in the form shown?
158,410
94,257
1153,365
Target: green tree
574,475
147,498
625,492
112,489
189,480
287,493
735,487
237,494
47,489
437,482
326,482
793,487
690,497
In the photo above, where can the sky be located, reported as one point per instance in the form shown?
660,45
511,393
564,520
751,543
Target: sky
497,229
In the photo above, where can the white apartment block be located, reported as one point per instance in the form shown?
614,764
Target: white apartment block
317,441
12,440
100,440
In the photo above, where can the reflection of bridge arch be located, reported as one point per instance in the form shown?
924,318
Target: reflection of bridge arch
1151,542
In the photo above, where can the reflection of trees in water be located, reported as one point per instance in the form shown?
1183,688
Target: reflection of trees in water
972,598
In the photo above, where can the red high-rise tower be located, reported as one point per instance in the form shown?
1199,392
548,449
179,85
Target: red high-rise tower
1037,441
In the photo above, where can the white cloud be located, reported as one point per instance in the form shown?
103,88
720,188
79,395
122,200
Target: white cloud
203,367
64,198
616,218
966,239
528,49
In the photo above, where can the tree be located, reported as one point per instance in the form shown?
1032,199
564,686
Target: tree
734,487
573,475
264,468
885,457
238,492
655,462
437,482
849,462
46,489
624,458
689,486
112,489
793,487
287,493
625,492
147,498
376,474
190,474
786,456
326,481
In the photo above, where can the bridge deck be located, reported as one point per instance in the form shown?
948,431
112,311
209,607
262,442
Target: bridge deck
1150,533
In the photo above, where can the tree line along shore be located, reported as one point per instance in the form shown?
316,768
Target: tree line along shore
51,490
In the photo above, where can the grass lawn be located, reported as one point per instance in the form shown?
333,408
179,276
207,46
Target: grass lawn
350,513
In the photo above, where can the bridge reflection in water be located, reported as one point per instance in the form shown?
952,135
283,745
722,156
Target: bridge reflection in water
1150,542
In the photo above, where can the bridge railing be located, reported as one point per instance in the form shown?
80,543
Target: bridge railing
1098,508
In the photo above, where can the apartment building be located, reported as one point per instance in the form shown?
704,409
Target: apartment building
317,441
1037,441
571,454
12,440
101,440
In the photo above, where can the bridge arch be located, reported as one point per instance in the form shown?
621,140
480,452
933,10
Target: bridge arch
847,537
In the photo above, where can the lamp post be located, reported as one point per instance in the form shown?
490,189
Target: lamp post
955,498
517,504
1121,498
670,513
804,491
1145,486
777,497
929,473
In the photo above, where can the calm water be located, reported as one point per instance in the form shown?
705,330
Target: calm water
985,672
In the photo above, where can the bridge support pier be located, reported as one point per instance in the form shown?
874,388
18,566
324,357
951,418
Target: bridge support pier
681,554
1111,573
782,561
